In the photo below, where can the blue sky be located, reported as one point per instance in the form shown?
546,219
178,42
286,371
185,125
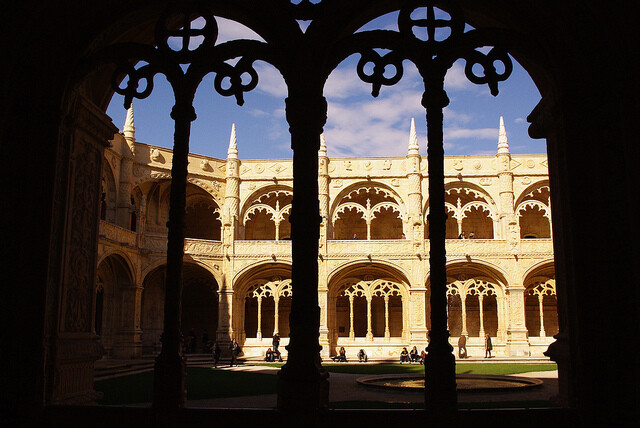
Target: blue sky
357,124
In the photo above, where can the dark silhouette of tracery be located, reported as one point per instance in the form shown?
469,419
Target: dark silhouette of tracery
185,54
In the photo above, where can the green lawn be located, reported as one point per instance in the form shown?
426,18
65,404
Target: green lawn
201,383
204,383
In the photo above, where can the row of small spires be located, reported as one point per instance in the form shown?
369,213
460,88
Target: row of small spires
129,131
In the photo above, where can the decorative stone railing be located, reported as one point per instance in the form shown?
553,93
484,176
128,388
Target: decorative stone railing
156,243
202,247
117,234
277,249
356,248
382,247
489,247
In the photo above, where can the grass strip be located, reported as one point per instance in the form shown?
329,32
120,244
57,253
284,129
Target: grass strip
202,383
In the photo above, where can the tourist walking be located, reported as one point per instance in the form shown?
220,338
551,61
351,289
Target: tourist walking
487,347
276,341
462,346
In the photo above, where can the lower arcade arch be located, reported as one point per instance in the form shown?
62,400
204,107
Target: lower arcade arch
476,303
368,308
115,319
199,319
541,305
262,305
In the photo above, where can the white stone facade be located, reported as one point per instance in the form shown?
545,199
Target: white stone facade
373,254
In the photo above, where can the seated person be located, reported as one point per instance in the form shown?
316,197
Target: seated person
423,355
276,356
342,355
362,356
404,356
269,356
413,355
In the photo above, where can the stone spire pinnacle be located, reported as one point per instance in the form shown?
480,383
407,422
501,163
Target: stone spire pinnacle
503,144
323,146
414,149
129,129
232,152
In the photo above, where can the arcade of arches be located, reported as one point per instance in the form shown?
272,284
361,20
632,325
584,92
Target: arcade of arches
374,272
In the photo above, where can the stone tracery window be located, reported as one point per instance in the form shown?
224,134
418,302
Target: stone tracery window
472,306
267,306
534,214
541,308
382,298
469,210
267,217
368,213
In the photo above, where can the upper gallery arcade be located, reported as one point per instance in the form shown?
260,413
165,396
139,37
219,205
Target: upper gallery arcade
373,256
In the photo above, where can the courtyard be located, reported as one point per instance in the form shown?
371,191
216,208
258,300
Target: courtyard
252,384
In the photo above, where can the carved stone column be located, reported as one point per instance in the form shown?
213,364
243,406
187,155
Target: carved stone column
259,332
440,374
463,310
303,387
541,307
224,334
369,331
169,389
352,334
129,341
481,332
387,334
276,315
71,345
517,341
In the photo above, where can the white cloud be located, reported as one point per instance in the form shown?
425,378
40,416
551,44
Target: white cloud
270,81
478,134
520,120
232,30
455,78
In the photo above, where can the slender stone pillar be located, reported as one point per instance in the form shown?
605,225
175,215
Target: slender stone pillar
259,332
541,307
463,309
352,334
369,332
276,315
440,375
481,333
169,390
387,334
303,387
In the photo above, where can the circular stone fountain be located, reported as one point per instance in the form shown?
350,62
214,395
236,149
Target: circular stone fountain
464,382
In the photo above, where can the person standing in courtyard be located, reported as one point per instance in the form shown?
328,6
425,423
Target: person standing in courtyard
462,346
276,341
487,346
216,354
235,349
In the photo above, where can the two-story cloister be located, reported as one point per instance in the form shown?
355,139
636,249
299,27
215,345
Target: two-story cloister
374,286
